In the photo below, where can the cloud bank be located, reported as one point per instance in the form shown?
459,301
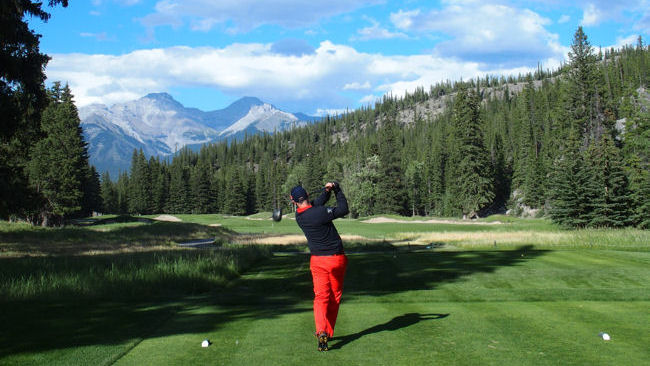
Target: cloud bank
331,76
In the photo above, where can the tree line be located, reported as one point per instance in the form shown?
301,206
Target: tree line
572,144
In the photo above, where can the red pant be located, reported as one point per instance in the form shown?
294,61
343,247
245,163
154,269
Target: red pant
328,273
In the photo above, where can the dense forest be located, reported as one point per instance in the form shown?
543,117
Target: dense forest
572,143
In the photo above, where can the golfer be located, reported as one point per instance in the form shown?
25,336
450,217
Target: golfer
328,261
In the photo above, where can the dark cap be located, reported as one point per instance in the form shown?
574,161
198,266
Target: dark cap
298,194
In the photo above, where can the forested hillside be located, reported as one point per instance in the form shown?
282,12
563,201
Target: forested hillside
573,143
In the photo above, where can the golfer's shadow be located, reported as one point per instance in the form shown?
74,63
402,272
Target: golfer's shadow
396,323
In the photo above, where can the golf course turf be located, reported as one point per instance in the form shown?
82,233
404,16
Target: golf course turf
415,305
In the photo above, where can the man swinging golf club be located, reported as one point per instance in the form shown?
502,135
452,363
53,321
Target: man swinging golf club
328,261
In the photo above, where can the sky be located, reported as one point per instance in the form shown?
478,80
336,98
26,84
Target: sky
313,56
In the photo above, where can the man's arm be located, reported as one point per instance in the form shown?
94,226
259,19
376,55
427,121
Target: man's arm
322,199
341,208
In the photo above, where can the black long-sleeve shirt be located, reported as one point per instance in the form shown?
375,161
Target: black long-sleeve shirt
316,223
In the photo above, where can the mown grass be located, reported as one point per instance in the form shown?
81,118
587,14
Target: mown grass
519,306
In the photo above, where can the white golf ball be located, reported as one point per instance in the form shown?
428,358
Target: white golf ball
205,343
604,336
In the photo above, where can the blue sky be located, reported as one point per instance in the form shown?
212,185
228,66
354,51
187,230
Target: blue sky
313,56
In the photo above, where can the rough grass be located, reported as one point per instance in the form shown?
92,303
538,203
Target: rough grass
112,235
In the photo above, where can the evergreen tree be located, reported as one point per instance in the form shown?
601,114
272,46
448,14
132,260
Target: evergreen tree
570,194
472,185
610,198
22,99
200,184
122,189
109,194
59,165
416,187
362,186
179,191
636,150
435,175
235,196
583,91
92,197
391,187
139,185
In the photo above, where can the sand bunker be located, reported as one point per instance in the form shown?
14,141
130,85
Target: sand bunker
168,218
382,220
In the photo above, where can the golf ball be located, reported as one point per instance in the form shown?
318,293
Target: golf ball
604,336
205,343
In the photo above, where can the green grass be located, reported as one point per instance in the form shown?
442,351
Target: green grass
482,308
540,297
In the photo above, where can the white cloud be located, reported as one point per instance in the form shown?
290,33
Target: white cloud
630,40
368,99
485,32
404,19
591,15
246,15
328,78
375,31
320,112
357,86
102,36
564,19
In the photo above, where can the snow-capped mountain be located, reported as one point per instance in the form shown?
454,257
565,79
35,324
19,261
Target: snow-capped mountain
160,126
263,118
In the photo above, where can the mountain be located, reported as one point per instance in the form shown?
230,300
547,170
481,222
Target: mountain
160,125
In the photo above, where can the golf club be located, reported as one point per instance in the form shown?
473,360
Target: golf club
277,212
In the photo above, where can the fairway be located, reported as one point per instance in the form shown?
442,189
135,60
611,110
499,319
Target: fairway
456,308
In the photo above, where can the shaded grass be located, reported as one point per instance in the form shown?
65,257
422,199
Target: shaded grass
24,239
123,276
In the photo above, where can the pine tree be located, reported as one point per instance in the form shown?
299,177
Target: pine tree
583,92
610,197
472,180
139,185
122,189
416,187
109,194
179,190
391,186
570,198
92,197
362,186
200,185
235,195
59,165
22,99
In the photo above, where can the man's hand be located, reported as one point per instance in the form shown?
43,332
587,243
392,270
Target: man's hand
329,186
